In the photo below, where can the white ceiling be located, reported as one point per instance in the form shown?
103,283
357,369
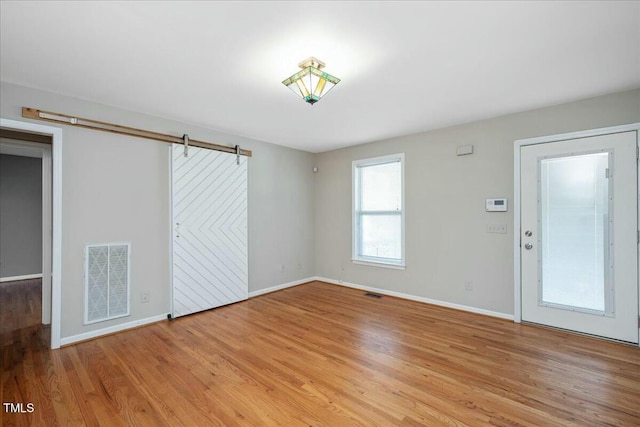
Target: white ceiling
406,67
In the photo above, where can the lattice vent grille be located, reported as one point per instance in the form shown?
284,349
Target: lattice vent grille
106,281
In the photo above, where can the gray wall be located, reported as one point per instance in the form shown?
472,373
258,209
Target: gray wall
20,215
116,188
446,239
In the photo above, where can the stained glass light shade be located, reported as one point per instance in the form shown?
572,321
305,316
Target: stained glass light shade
311,83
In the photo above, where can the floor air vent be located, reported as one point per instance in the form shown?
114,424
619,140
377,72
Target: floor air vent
372,295
106,281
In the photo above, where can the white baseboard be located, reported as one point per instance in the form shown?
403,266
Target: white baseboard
419,299
24,277
279,287
117,328
111,329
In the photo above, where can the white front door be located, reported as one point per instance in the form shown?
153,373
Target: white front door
209,203
578,234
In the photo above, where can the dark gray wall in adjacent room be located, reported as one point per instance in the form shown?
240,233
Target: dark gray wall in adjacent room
20,215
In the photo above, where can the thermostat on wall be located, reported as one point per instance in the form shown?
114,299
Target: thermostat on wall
496,205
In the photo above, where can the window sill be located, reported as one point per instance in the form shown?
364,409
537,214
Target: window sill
379,264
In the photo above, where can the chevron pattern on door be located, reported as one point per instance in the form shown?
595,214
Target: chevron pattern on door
210,258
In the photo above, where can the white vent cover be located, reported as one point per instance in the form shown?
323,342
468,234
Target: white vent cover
106,280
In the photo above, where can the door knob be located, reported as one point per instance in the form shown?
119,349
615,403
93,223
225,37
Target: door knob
528,246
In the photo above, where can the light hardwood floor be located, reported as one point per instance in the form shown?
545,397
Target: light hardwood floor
320,354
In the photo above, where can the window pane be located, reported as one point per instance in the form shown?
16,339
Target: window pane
381,187
574,223
381,236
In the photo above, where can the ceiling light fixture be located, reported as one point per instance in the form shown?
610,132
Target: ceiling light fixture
311,83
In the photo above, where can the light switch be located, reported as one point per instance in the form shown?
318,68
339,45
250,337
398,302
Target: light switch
464,150
497,228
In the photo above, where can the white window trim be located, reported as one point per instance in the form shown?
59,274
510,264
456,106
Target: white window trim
373,261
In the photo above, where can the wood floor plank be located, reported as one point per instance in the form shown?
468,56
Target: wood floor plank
320,355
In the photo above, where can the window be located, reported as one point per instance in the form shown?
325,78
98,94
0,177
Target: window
378,211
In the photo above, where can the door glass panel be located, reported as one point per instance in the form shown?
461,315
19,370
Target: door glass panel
574,232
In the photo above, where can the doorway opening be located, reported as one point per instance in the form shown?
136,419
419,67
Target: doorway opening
25,226
30,273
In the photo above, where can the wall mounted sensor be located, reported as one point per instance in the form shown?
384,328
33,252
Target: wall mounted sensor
496,205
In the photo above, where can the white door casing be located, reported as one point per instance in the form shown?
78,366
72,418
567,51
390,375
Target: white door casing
42,151
209,238
620,265
55,252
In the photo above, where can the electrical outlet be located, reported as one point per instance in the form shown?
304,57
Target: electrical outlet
468,285
145,297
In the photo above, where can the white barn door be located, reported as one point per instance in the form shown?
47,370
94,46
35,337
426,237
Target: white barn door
209,209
